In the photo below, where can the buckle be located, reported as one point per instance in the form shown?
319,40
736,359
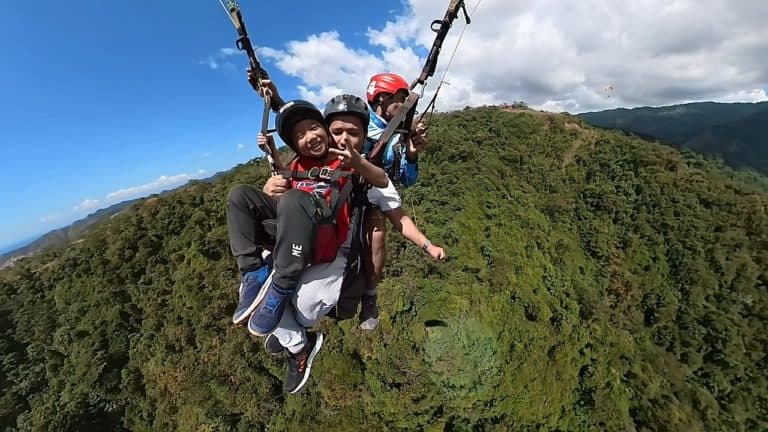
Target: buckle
325,173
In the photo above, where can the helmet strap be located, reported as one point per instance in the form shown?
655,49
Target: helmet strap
377,104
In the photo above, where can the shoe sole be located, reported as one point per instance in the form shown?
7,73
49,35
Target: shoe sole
256,301
369,324
318,345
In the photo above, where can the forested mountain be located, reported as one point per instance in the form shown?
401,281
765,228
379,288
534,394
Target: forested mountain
734,132
595,282
63,236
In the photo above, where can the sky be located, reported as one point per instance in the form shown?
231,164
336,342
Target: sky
108,103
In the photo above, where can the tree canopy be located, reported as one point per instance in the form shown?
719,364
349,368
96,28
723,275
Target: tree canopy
595,281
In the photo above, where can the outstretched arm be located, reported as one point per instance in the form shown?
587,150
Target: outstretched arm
370,172
373,174
405,226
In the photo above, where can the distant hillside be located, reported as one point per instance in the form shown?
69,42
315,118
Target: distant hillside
63,236
595,282
742,142
734,132
18,245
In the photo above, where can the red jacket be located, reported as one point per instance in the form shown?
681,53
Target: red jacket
321,186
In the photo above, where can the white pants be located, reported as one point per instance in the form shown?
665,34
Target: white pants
318,292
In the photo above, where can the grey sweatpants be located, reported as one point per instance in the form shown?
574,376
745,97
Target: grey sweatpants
318,292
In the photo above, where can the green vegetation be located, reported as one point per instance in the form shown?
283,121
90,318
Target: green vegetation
595,282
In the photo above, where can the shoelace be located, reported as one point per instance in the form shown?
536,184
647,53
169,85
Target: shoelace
272,304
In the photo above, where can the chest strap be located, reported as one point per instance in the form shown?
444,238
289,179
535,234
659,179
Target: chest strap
338,197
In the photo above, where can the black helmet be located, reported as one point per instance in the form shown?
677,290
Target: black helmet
290,114
347,104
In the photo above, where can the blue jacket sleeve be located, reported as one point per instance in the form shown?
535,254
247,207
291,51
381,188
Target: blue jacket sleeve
409,171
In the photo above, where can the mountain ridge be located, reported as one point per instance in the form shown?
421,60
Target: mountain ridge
64,235
738,128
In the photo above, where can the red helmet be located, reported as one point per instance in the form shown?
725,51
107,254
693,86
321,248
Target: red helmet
385,83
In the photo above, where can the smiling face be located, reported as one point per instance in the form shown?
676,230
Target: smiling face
311,138
347,131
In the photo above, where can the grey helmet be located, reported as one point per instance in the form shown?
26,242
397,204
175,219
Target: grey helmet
347,104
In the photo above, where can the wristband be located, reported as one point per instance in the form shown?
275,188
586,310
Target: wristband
426,245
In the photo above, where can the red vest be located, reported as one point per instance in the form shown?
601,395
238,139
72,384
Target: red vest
321,186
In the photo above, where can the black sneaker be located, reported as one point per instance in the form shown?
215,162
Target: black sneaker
369,312
300,364
272,346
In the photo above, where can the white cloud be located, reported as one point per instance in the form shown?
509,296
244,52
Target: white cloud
205,155
218,59
241,146
210,62
161,183
316,62
756,95
51,217
86,204
555,54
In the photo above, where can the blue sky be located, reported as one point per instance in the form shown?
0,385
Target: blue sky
101,97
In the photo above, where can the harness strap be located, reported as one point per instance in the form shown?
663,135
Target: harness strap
408,107
358,202
316,173
338,197
341,196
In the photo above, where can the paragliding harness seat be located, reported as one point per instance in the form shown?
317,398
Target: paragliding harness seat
326,242
353,286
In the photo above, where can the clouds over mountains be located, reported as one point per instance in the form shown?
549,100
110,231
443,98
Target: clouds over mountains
558,55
